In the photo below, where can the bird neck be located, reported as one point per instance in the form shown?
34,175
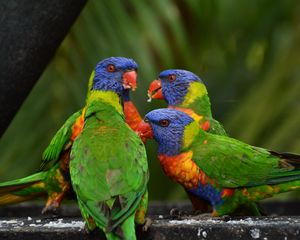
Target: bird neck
108,97
179,140
198,118
197,99
90,84
190,132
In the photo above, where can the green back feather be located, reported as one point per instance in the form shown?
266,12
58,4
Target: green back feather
232,163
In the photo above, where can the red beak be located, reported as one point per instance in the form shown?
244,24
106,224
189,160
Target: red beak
155,90
130,80
144,131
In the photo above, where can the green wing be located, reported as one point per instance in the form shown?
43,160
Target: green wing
109,168
216,127
59,141
232,163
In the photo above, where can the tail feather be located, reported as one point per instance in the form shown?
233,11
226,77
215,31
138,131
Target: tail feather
290,156
7,199
265,191
289,164
22,189
29,179
288,159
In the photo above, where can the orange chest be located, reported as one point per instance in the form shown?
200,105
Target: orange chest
181,169
77,127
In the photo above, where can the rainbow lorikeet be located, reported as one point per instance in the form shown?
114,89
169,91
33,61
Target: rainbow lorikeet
54,179
108,166
226,172
185,91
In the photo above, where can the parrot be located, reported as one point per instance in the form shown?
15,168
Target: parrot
53,180
228,173
108,162
185,91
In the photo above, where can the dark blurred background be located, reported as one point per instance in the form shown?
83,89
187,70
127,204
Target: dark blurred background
247,53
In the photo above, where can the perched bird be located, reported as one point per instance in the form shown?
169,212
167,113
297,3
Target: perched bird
54,179
226,172
185,91
108,164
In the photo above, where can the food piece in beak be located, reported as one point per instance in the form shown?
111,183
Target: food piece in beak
130,80
155,90
144,131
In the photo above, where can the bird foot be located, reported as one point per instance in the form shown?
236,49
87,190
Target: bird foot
174,212
51,208
148,222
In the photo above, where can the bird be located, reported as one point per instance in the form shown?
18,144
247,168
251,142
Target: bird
108,162
185,91
53,179
226,172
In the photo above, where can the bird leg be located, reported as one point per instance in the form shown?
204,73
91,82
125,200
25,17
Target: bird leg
55,198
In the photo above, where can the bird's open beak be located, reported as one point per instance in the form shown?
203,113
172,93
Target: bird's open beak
130,80
155,90
144,131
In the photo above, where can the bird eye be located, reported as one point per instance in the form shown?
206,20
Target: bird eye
172,77
111,68
164,123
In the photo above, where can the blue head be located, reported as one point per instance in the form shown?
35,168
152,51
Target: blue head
115,74
167,127
173,85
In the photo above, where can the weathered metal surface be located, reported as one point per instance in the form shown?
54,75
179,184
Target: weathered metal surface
30,32
266,228
25,222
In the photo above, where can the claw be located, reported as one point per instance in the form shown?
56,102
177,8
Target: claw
174,212
51,208
147,224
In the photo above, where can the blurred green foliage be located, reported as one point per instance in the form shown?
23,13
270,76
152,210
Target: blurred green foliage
247,53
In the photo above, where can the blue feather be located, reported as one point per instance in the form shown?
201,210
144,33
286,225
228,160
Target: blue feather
175,91
112,81
169,138
207,192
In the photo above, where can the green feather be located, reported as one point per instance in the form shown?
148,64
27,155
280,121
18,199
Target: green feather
232,163
197,100
59,141
26,180
108,167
